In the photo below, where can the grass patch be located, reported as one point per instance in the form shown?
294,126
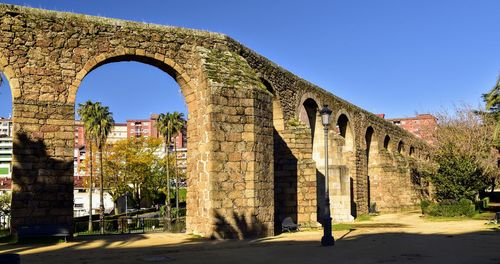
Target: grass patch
479,216
342,227
484,216
445,218
195,236
363,218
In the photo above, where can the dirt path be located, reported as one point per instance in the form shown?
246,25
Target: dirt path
391,238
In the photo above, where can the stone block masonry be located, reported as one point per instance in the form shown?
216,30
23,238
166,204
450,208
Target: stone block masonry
251,160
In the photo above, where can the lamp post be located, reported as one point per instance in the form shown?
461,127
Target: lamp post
327,239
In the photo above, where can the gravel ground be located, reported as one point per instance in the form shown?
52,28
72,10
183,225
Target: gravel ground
388,238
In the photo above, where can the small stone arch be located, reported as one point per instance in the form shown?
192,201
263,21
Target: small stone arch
344,128
387,141
411,152
309,103
278,117
401,147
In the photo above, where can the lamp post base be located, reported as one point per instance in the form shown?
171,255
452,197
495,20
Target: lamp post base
327,239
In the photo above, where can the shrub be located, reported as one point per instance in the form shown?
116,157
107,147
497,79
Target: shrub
424,205
458,177
449,208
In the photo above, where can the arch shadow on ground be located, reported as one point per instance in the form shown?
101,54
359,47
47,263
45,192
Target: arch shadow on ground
355,247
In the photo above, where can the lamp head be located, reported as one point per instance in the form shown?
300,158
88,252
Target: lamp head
325,115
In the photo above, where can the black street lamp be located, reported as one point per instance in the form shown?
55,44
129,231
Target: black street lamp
327,239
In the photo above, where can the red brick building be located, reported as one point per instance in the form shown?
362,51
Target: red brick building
423,126
143,127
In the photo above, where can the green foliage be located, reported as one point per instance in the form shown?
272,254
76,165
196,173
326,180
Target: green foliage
458,177
132,165
364,217
342,227
492,100
5,202
170,124
449,208
182,194
424,206
295,122
465,155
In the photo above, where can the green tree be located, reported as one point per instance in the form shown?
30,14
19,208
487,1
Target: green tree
492,100
169,124
177,126
459,176
464,154
5,205
85,113
101,126
131,164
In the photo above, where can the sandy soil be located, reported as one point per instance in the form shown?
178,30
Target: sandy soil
389,238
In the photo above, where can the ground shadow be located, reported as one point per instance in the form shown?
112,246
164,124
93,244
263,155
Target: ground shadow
236,226
351,247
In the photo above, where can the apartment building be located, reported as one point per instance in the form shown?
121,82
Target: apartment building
422,126
5,154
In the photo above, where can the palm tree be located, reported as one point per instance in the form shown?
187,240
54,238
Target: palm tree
492,100
177,121
84,111
101,127
165,129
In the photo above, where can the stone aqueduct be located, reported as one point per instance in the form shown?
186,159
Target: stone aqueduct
240,105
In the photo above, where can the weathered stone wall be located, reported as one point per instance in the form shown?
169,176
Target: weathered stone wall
45,55
239,105
292,92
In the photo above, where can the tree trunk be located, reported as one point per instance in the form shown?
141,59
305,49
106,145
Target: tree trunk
167,199
90,187
101,192
176,185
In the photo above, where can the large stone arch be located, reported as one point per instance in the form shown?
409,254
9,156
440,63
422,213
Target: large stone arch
229,121
195,143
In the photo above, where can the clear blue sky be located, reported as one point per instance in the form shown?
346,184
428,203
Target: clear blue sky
387,56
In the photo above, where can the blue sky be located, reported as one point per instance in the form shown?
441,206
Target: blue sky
387,56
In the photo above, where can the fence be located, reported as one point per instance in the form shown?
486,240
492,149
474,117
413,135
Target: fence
130,225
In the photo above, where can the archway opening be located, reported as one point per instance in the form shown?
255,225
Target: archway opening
387,141
309,115
141,166
6,151
285,168
412,151
342,159
370,170
401,147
